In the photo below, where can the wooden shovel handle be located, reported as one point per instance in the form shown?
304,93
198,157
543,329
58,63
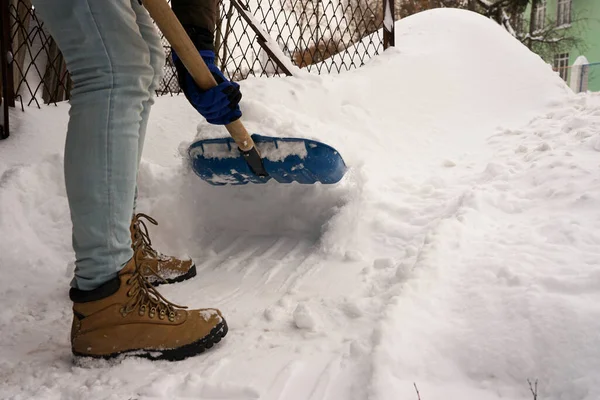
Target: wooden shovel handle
170,26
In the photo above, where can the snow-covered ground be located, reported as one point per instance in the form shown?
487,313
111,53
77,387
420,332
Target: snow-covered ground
461,252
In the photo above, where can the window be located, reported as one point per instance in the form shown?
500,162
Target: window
540,15
563,14
561,65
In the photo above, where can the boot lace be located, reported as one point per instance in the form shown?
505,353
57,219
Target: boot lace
141,236
144,297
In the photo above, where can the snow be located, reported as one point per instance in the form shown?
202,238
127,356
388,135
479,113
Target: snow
489,3
388,18
216,150
581,60
507,24
278,151
269,150
460,253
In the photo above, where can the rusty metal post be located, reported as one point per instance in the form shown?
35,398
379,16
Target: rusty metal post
8,95
388,23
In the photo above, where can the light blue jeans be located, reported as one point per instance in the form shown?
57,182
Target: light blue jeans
114,54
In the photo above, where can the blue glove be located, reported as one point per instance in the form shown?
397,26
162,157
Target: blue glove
219,105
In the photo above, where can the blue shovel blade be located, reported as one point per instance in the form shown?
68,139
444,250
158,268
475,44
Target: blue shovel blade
286,160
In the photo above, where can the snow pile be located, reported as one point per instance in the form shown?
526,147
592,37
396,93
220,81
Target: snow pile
460,252
452,74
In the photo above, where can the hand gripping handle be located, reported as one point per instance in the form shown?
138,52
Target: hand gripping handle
170,26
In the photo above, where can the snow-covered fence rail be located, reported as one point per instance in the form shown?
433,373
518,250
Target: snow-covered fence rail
306,32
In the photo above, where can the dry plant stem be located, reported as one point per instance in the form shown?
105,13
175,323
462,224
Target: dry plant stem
533,389
417,389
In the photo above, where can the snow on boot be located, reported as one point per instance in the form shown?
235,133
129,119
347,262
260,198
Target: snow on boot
127,316
172,269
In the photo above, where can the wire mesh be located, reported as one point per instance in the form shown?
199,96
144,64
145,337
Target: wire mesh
39,71
321,36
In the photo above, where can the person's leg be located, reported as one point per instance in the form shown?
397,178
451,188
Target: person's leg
115,311
151,36
172,269
109,62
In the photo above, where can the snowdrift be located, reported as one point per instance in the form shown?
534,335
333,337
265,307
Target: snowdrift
460,253
452,78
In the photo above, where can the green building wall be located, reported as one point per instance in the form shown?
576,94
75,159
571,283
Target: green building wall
586,25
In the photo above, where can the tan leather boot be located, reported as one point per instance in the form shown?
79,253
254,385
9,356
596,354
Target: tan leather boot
127,316
172,269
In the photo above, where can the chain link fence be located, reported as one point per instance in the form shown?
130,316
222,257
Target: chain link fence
321,36
36,64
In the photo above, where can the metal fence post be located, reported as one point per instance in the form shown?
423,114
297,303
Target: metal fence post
388,24
8,95
583,73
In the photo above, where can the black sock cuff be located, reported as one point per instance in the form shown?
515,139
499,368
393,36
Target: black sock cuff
84,296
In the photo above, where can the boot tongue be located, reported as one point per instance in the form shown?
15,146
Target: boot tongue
129,268
144,261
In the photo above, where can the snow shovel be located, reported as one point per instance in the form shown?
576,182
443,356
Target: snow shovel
244,158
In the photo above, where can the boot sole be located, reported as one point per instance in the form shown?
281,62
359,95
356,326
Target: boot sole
190,274
177,354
